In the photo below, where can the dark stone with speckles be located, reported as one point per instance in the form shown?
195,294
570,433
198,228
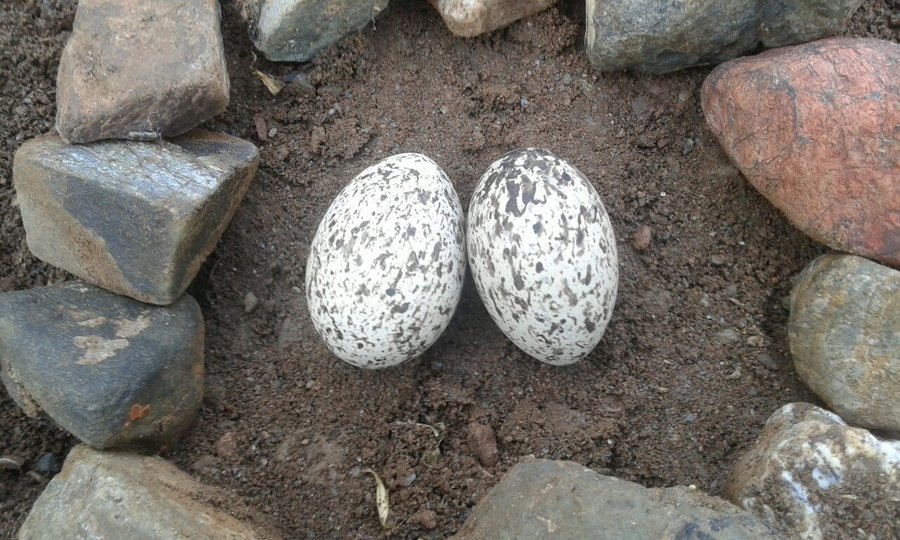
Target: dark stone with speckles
563,500
112,371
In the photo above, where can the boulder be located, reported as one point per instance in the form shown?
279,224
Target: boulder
844,335
120,495
469,18
659,36
140,70
297,30
540,498
135,218
813,477
814,129
112,371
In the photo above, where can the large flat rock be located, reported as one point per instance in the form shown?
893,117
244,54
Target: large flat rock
136,218
814,129
114,495
659,36
297,30
812,476
140,70
563,500
112,371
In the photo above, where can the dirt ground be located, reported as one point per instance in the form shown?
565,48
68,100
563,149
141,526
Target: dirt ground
692,364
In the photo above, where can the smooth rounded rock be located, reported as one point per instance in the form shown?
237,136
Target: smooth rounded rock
387,263
543,255
844,334
112,371
814,129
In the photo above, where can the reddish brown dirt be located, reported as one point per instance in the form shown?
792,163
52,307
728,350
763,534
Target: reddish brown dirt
289,429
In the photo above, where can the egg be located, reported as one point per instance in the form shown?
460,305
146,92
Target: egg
543,255
387,263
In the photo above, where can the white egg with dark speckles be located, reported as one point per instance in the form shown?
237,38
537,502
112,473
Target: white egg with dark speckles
543,255
387,263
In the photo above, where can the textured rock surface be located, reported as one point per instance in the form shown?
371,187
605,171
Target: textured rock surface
814,129
135,218
297,30
119,495
844,333
138,70
468,18
563,500
658,36
112,371
813,477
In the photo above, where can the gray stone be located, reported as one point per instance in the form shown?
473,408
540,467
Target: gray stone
135,218
659,36
297,30
138,70
844,335
563,500
813,477
469,18
117,495
112,371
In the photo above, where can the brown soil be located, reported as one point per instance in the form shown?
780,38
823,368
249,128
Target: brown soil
664,400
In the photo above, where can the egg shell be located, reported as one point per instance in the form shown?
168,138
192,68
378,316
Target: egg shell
387,263
543,255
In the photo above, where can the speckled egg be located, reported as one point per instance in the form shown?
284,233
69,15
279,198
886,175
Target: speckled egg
387,263
543,255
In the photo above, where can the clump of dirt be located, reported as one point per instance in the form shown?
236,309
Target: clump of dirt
692,364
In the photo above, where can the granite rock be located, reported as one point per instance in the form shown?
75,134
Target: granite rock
814,129
112,371
563,500
468,18
297,30
137,218
813,477
659,36
140,70
844,335
120,495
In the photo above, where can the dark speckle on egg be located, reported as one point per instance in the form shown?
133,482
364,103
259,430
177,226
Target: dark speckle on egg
543,255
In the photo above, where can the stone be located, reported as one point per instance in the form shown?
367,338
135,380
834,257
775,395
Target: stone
844,336
470,18
813,128
813,477
659,36
297,30
136,218
112,371
140,70
643,238
483,443
540,498
121,495
425,518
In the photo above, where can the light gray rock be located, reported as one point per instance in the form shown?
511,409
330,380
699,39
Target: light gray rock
297,30
813,477
112,371
138,70
116,495
659,36
469,18
135,218
844,335
562,500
